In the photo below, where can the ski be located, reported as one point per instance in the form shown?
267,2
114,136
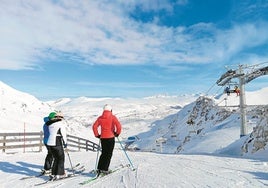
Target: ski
52,181
103,175
76,167
34,176
77,171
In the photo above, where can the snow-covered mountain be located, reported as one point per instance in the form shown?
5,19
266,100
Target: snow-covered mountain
201,133
204,127
19,110
136,115
169,124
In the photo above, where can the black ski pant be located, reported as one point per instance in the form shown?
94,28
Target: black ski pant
107,147
49,159
59,158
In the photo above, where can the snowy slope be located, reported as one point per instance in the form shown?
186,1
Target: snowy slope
136,115
19,109
153,171
200,140
200,127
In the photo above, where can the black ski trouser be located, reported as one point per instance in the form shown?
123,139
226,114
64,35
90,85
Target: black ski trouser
49,159
59,158
107,147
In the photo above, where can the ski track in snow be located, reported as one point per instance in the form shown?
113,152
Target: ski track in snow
152,171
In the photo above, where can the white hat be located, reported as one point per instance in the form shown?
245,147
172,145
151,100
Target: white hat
107,107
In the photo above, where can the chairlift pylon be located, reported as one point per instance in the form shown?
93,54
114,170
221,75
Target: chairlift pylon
244,78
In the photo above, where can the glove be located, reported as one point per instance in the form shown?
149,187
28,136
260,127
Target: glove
65,145
98,136
115,134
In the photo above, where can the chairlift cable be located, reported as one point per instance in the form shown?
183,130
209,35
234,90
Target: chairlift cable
218,90
210,88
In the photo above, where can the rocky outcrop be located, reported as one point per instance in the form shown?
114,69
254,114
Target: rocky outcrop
258,139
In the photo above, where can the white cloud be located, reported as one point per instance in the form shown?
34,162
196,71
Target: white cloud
102,32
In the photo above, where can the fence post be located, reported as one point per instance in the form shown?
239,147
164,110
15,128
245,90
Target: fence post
86,145
96,146
4,144
41,141
79,144
24,138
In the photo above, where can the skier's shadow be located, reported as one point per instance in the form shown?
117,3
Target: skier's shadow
260,176
88,174
19,168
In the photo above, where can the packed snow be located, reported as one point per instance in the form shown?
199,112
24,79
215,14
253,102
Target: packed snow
152,170
179,141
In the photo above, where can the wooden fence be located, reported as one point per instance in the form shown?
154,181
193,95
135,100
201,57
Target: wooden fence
35,140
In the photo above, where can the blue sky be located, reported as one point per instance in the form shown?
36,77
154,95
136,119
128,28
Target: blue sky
134,48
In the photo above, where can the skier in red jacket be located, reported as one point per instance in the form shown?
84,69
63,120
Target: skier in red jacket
106,127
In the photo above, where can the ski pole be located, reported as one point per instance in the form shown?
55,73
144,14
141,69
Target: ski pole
66,150
97,159
126,154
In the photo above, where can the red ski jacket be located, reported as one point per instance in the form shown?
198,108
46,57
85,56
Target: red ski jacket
106,125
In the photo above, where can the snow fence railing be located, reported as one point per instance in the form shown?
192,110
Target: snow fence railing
11,141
